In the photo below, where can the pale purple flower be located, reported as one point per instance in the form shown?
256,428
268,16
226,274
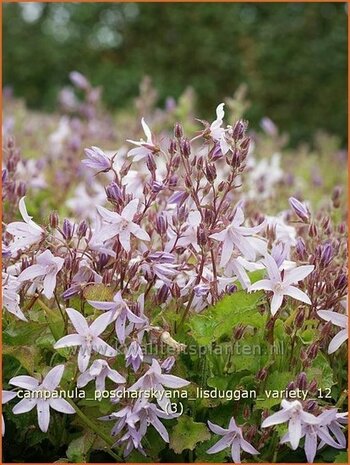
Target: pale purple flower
87,338
97,159
293,413
47,266
300,209
168,364
25,233
312,432
132,440
144,148
236,236
217,132
43,404
154,378
232,438
6,397
134,356
122,225
118,311
334,422
149,414
337,319
189,235
79,80
280,283
99,371
125,417
10,295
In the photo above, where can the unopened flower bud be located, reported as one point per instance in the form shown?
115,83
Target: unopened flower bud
201,235
210,172
172,147
67,229
311,406
246,413
312,230
102,260
54,220
186,148
157,186
161,224
291,386
300,248
340,281
113,192
326,255
82,228
175,290
261,374
312,351
300,317
300,209
21,189
231,288
178,131
313,386
238,332
71,292
336,197
326,330
151,164
301,381
238,130
162,294
168,364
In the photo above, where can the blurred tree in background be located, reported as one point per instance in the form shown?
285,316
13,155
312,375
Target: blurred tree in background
293,57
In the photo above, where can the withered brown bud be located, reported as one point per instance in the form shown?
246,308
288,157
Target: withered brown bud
54,220
178,131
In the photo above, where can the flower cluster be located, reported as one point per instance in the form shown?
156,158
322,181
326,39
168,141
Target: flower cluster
171,236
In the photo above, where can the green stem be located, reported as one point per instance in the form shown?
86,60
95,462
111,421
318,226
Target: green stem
108,440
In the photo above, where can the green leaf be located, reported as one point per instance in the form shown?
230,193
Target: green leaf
219,320
321,371
187,433
79,448
99,292
342,457
26,355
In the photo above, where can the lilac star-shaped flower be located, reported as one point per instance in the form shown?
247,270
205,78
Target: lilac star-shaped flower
43,404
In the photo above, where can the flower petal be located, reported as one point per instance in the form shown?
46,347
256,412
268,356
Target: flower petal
69,341
78,321
25,382
61,405
337,341
53,378
24,406
297,294
43,408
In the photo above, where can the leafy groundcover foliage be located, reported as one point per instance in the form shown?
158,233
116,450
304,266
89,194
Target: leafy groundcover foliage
175,300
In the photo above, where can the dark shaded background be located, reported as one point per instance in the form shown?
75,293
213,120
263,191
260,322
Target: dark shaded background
292,56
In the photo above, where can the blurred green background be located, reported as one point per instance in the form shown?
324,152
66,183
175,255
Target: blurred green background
293,57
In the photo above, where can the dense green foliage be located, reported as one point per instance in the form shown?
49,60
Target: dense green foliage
211,47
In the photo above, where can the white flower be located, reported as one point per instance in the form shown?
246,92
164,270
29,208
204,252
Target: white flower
99,371
25,233
281,283
87,338
122,225
293,413
237,236
39,399
337,319
217,132
143,148
47,266
10,296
